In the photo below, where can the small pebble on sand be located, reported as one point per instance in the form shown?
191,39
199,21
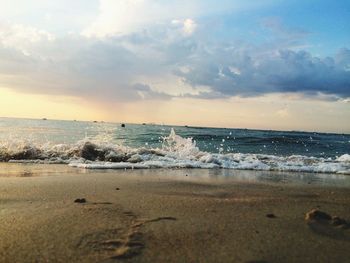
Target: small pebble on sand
270,216
80,200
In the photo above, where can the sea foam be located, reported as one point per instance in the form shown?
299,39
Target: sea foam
175,152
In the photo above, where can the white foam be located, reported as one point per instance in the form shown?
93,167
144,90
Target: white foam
108,165
176,152
344,158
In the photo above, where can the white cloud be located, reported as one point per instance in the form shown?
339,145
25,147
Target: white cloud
16,34
189,26
21,37
125,16
186,26
57,17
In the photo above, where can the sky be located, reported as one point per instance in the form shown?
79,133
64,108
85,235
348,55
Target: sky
262,64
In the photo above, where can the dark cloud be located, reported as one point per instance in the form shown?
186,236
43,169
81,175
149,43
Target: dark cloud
146,92
244,73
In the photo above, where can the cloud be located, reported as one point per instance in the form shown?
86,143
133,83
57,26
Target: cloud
188,26
126,16
55,16
145,92
21,37
105,71
127,67
242,71
122,17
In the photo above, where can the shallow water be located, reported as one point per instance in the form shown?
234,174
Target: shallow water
211,176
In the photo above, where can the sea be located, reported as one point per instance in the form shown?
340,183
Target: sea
103,145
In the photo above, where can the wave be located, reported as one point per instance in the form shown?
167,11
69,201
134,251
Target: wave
175,152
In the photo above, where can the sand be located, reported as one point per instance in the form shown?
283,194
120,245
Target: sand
168,216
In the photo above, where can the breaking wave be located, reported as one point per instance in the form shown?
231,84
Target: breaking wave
175,152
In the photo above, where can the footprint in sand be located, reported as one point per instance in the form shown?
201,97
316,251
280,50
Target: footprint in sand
132,243
331,226
119,243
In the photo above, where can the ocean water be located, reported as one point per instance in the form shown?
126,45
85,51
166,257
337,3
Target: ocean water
98,145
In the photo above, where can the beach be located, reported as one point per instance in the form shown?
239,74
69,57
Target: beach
149,131
56,213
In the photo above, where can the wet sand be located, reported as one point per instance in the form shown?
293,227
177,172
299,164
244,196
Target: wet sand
168,216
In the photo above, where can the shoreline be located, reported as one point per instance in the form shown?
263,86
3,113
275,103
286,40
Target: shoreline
177,215
213,175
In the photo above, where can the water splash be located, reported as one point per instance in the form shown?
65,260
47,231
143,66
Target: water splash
175,152
179,146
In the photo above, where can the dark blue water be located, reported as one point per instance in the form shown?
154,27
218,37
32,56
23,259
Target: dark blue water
225,140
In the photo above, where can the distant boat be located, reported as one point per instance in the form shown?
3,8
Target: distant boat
143,123
122,125
95,121
44,119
